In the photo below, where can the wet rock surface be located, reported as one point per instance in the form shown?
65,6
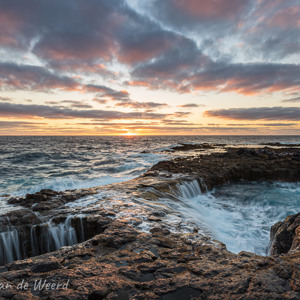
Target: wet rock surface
188,147
285,236
47,199
120,261
236,164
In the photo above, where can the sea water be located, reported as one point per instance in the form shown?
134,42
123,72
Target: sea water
241,214
31,163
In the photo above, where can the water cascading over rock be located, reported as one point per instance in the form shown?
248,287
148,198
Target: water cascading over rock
19,242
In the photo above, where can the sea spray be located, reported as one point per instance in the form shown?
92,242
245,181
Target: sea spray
240,215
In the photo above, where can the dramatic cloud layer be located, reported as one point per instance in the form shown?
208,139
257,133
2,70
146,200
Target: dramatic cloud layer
245,79
213,16
148,60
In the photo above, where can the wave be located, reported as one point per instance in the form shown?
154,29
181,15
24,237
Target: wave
70,183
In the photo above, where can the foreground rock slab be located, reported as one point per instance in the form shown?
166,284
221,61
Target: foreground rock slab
123,263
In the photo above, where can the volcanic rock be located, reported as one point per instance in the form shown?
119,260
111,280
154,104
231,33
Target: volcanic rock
285,236
120,261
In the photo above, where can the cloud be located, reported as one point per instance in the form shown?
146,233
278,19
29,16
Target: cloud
81,105
182,61
5,99
70,101
256,113
190,105
100,101
275,34
252,78
73,36
35,78
44,111
52,102
148,41
178,122
249,47
65,31
82,36
18,124
118,124
265,124
142,105
76,104
296,99
106,92
181,114
248,29
213,16
247,79
26,77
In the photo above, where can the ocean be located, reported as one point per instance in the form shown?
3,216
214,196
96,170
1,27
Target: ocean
29,164
240,215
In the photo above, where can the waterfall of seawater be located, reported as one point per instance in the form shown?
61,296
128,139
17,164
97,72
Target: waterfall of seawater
44,237
60,235
241,214
190,189
9,246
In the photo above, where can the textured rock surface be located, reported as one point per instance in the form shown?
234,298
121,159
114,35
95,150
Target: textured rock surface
188,147
122,262
125,262
47,199
285,236
236,164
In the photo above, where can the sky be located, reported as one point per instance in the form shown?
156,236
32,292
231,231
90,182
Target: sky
150,67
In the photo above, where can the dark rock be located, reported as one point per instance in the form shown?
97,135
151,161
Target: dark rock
285,236
46,266
146,277
117,238
145,151
120,295
47,199
159,231
185,293
13,200
188,147
236,164
98,295
131,273
164,242
49,192
36,197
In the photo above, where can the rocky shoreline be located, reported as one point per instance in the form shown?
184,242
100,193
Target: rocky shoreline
126,250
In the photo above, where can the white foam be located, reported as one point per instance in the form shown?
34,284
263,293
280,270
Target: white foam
240,215
71,182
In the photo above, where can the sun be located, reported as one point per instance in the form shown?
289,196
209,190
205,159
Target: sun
128,134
